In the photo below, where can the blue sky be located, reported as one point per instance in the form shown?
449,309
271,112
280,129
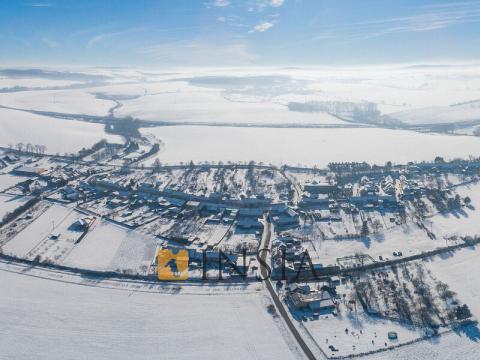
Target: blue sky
153,33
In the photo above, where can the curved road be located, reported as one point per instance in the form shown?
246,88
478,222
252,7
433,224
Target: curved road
264,251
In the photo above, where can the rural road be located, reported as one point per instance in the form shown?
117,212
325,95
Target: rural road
264,252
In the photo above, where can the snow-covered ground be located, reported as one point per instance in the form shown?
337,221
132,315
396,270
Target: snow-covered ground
306,146
55,319
9,180
8,83
63,101
9,203
453,345
58,135
409,239
440,114
461,223
111,247
105,247
458,270
182,103
362,330
413,94
38,231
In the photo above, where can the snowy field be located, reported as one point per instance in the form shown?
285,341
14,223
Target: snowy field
457,269
440,114
111,247
306,146
417,94
464,222
105,247
9,83
38,231
449,346
409,239
58,320
331,331
183,103
9,180
9,203
414,94
58,135
64,101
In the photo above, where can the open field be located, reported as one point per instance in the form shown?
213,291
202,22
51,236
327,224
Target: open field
306,146
65,101
111,323
414,95
57,135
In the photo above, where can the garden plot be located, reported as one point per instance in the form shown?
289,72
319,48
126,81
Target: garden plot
464,222
158,227
233,181
111,247
99,206
307,176
10,203
38,231
8,180
134,217
198,181
346,225
407,238
239,241
213,235
362,330
460,344
271,183
406,300
247,182
186,229
458,270
62,240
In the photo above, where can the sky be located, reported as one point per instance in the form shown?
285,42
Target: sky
170,33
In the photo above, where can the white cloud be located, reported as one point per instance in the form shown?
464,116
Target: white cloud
41,5
276,3
98,38
261,5
442,17
222,18
262,27
104,36
199,52
221,3
49,42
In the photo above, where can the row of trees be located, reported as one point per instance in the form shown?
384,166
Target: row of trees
19,210
30,148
